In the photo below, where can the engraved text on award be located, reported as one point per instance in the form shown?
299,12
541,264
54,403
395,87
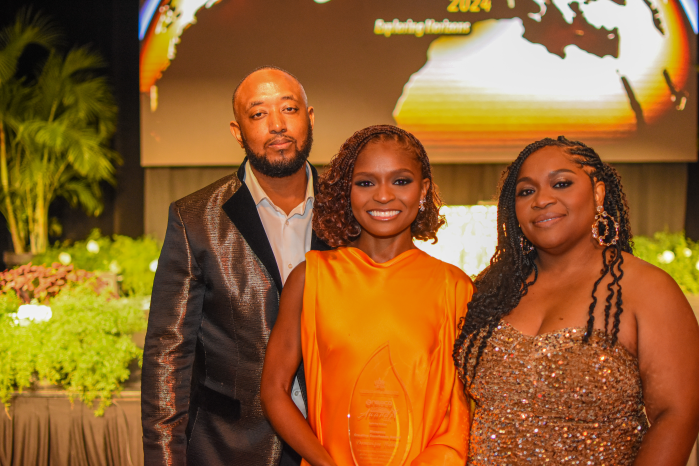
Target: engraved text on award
380,417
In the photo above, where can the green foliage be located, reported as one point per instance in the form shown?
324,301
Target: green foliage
28,28
675,254
130,259
85,347
9,303
55,131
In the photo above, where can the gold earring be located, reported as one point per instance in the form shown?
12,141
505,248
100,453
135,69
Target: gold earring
602,221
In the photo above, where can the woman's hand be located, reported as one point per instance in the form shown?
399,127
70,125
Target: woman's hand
281,362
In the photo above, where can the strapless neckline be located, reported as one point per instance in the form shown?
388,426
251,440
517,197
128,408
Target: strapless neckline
568,330
552,332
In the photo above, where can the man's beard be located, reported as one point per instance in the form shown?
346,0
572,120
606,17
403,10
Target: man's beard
286,166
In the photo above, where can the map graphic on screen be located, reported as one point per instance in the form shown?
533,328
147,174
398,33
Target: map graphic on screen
474,80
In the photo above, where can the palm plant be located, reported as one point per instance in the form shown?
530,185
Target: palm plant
56,127
27,29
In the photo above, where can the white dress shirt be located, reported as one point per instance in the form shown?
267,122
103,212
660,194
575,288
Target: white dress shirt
289,235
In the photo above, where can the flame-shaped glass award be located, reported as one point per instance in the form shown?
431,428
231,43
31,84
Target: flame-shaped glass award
380,415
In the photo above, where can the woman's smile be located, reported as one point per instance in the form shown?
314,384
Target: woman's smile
383,215
548,219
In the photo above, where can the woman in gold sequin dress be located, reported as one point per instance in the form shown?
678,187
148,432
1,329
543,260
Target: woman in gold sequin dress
562,367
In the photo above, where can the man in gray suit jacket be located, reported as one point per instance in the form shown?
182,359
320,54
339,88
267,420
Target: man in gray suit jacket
228,250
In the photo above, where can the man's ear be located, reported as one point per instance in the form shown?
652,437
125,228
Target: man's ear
311,116
237,134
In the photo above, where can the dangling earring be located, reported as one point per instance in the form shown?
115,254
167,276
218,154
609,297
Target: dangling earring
422,205
526,246
602,220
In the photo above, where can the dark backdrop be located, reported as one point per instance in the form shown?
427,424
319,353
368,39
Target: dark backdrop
111,28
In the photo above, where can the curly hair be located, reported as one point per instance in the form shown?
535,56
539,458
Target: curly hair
333,220
504,282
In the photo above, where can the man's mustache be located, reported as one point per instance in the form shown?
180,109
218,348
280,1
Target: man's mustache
279,139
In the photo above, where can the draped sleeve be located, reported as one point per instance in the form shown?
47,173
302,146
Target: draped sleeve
446,406
309,346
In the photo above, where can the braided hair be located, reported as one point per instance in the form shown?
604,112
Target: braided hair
333,220
504,282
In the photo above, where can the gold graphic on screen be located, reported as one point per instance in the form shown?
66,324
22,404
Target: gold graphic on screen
599,70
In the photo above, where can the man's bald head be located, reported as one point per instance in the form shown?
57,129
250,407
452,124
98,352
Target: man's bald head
267,68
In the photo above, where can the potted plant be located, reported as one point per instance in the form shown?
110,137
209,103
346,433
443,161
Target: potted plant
55,129
63,328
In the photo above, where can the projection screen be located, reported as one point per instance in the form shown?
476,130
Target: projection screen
474,80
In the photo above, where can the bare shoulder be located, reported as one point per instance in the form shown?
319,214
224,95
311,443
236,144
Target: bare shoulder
291,301
651,290
297,277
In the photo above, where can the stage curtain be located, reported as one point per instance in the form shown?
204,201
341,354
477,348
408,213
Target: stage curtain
41,430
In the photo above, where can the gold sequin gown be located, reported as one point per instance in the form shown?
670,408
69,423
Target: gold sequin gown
551,399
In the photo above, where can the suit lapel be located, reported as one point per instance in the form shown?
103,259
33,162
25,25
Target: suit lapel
242,211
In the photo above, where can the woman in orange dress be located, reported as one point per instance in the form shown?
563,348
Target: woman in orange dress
374,320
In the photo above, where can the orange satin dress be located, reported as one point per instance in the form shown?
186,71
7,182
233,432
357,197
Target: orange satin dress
411,305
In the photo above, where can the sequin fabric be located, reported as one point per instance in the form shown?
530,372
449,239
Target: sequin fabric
552,399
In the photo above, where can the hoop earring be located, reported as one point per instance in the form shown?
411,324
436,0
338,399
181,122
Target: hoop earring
602,221
526,245
422,205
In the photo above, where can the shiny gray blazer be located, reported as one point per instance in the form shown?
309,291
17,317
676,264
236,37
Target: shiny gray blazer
215,299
